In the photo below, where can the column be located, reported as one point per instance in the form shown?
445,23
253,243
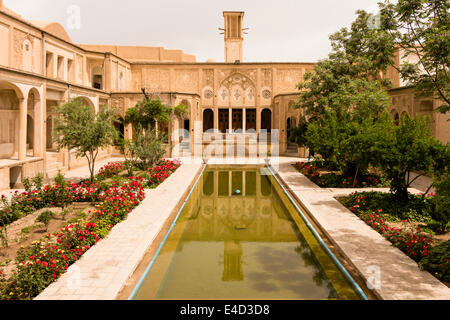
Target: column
22,154
37,129
244,119
216,119
258,120
230,116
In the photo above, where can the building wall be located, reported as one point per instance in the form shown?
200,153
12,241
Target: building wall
41,58
405,102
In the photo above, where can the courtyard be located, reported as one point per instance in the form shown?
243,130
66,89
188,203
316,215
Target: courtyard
139,173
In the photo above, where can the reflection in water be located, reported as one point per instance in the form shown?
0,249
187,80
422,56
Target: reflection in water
236,239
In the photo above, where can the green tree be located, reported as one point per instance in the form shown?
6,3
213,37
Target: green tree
408,147
358,53
149,147
298,133
80,128
346,142
343,97
45,218
146,113
421,29
340,133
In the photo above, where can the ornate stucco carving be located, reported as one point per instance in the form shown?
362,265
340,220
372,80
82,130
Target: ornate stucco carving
266,77
208,93
287,79
237,78
208,78
156,79
226,73
237,89
79,66
19,37
186,80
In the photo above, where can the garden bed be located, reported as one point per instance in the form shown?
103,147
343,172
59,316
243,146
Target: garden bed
408,226
328,177
43,257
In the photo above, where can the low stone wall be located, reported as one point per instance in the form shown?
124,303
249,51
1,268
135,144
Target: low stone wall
16,170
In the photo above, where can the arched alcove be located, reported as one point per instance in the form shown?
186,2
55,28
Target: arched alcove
266,120
208,120
10,98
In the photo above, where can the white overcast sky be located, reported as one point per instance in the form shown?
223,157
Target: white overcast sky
281,30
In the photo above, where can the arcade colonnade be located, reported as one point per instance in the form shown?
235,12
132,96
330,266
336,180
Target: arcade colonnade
26,127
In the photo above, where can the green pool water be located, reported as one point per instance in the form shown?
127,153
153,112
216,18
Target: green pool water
240,237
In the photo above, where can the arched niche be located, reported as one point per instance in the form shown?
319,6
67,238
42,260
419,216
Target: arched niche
208,119
266,120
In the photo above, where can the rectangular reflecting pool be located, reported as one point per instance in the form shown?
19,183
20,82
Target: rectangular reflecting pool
240,237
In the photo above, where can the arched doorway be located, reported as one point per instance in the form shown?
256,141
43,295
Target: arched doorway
120,129
33,125
395,117
266,120
30,132
49,133
405,114
290,123
88,102
208,120
10,99
288,128
186,127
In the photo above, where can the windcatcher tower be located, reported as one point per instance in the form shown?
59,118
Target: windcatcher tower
233,35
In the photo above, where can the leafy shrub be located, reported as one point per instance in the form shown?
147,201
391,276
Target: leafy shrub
392,210
437,262
337,180
4,236
416,243
439,205
45,217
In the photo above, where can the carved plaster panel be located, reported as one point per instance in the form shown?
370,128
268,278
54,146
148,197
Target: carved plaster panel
287,79
186,80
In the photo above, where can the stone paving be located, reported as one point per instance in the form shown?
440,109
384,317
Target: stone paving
400,277
103,270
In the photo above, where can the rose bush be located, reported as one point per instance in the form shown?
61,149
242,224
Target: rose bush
415,243
44,261
337,179
109,170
